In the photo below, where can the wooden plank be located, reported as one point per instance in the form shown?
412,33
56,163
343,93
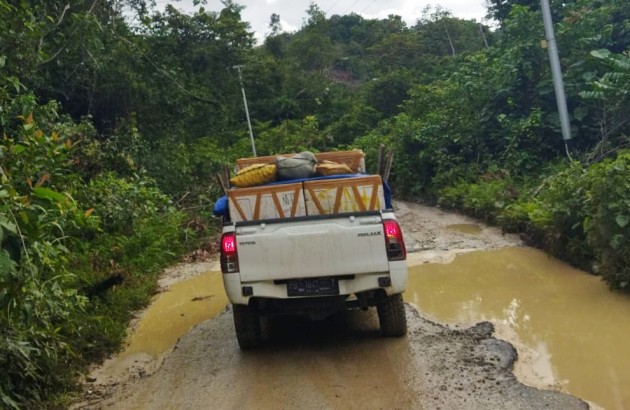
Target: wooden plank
374,199
355,159
338,198
276,202
245,162
357,197
379,164
344,195
296,194
267,201
234,201
315,200
388,166
257,207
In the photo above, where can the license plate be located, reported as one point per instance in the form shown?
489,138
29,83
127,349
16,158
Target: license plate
312,287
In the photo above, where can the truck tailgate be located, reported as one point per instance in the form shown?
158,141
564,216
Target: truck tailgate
312,248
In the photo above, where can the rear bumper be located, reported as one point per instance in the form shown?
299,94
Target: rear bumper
359,283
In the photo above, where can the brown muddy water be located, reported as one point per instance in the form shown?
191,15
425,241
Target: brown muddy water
572,333
175,311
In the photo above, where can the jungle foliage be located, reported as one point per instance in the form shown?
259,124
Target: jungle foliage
484,136
115,118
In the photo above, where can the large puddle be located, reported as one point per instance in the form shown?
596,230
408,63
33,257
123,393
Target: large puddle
571,332
171,315
175,311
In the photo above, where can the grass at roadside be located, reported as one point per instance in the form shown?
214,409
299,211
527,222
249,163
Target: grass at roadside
580,214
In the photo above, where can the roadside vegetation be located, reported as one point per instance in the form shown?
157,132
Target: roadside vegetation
115,119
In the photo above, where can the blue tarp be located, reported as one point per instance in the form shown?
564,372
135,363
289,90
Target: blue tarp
221,206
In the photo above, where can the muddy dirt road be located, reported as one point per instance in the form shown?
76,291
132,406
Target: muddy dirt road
341,362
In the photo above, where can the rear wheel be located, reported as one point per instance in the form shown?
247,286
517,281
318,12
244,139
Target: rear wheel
391,316
247,326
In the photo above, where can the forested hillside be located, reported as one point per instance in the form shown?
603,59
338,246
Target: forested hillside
115,119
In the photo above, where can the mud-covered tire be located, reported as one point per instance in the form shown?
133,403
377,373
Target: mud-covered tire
247,326
391,316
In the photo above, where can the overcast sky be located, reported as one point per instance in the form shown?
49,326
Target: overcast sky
293,12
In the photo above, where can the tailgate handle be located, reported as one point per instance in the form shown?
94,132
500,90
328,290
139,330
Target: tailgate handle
372,220
245,231
302,232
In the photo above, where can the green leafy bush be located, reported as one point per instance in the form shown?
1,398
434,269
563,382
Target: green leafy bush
484,199
37,291
370,145
291,136
554,212
608,222
580,214
61,240
123,203
139,232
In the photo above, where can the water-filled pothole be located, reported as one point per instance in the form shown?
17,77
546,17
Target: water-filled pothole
175,311
571,331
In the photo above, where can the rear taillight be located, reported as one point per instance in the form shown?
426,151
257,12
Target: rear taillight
229,256
394,241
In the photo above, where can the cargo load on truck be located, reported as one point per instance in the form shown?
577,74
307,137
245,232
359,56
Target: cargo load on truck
343,187
353,159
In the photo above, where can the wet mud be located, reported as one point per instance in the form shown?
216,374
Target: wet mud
174,311
470,229
341,362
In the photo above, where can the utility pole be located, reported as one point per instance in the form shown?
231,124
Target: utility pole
483,35
249,124
556,72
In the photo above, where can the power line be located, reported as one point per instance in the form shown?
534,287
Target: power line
333,6
368,6
351,6
162,71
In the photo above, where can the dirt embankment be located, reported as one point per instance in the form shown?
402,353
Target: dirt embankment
342,362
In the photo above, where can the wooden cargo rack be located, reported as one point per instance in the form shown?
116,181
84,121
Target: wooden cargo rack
332,196
266,202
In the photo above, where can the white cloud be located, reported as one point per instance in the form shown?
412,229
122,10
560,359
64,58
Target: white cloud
293,12
288,27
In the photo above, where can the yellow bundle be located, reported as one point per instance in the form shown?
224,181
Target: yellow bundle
332,168
254,175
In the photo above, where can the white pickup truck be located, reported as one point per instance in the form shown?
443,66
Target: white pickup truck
286,260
